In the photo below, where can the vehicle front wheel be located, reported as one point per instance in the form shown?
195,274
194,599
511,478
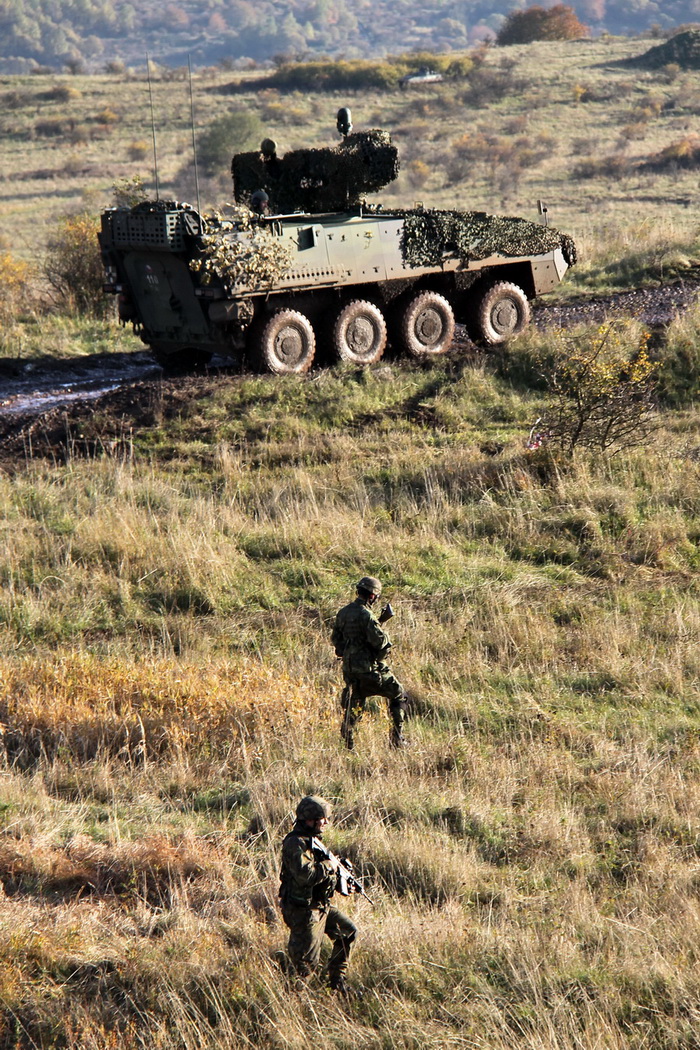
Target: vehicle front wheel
502,313
359,333
426,325
284,343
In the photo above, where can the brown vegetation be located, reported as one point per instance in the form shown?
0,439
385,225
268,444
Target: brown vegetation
541,23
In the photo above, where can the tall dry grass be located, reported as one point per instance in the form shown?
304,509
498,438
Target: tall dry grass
167,693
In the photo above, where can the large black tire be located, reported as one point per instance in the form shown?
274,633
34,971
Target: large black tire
359,333
502,312
284,343
426,326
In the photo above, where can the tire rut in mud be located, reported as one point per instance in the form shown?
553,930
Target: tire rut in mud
49,407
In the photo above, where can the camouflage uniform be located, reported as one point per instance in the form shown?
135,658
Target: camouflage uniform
306,887
361,641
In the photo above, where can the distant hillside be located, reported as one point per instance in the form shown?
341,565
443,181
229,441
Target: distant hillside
92,33
683,49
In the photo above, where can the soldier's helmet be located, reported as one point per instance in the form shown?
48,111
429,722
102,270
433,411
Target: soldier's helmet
370,584
313,807
259,202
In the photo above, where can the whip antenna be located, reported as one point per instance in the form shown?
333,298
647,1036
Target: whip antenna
153,125
194,137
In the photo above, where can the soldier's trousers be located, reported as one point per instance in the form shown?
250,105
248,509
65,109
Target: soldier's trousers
358,689
307,927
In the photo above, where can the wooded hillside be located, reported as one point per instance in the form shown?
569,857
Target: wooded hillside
91,33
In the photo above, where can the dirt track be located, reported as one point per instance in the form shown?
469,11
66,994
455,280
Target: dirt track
44,406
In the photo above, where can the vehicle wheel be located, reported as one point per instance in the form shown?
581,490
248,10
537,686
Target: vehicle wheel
502,313
426,325
285,343
359,333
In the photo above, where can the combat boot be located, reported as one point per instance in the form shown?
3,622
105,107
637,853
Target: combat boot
396,738
342,989
346,735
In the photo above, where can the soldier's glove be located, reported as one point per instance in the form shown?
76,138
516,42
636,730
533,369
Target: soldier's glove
329,864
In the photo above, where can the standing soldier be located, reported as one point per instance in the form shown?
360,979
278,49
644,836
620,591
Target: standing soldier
360,640
307,882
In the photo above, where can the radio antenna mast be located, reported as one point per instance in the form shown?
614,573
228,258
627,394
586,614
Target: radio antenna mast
153,125
194,138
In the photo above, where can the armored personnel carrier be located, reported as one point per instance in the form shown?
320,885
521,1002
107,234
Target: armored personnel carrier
302,263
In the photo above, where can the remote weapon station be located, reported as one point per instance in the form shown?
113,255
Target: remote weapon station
301,265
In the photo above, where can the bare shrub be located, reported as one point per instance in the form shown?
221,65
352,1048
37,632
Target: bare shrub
634,132
79,135
614,166
52,128
137,149
685,153
584,145
73,164
602,391
488,84
16,99
61,93
107,116
504,156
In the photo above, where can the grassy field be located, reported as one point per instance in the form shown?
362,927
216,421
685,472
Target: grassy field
567,122
167,693
168,578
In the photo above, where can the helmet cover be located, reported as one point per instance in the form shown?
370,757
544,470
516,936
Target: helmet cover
370,584
313,807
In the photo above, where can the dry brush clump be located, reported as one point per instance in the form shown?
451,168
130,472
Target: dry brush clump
86,707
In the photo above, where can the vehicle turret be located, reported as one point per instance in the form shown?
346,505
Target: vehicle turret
301,263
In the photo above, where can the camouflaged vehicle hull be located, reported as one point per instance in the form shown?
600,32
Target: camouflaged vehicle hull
281,291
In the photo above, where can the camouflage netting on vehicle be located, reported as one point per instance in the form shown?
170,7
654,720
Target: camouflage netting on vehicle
471,235
256,260
318,180
683,50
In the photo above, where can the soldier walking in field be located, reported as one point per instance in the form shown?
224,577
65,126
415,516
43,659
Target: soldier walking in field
308,879
358,637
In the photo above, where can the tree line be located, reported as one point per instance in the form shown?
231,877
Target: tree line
92,33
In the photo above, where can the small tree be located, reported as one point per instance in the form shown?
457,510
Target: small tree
602,392
229,134
73,267
540,23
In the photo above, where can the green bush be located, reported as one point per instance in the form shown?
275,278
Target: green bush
232,133
360,74
73,267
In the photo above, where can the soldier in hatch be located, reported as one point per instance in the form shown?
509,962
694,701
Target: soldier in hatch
358,637
308,880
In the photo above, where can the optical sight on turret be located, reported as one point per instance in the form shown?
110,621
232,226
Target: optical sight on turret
301,266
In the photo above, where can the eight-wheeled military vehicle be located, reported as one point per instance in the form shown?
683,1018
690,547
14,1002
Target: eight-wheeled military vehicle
302,262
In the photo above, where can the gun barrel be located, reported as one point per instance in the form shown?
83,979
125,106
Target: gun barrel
346,878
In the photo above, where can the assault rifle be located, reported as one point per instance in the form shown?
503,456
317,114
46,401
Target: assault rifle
386,613
347,881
